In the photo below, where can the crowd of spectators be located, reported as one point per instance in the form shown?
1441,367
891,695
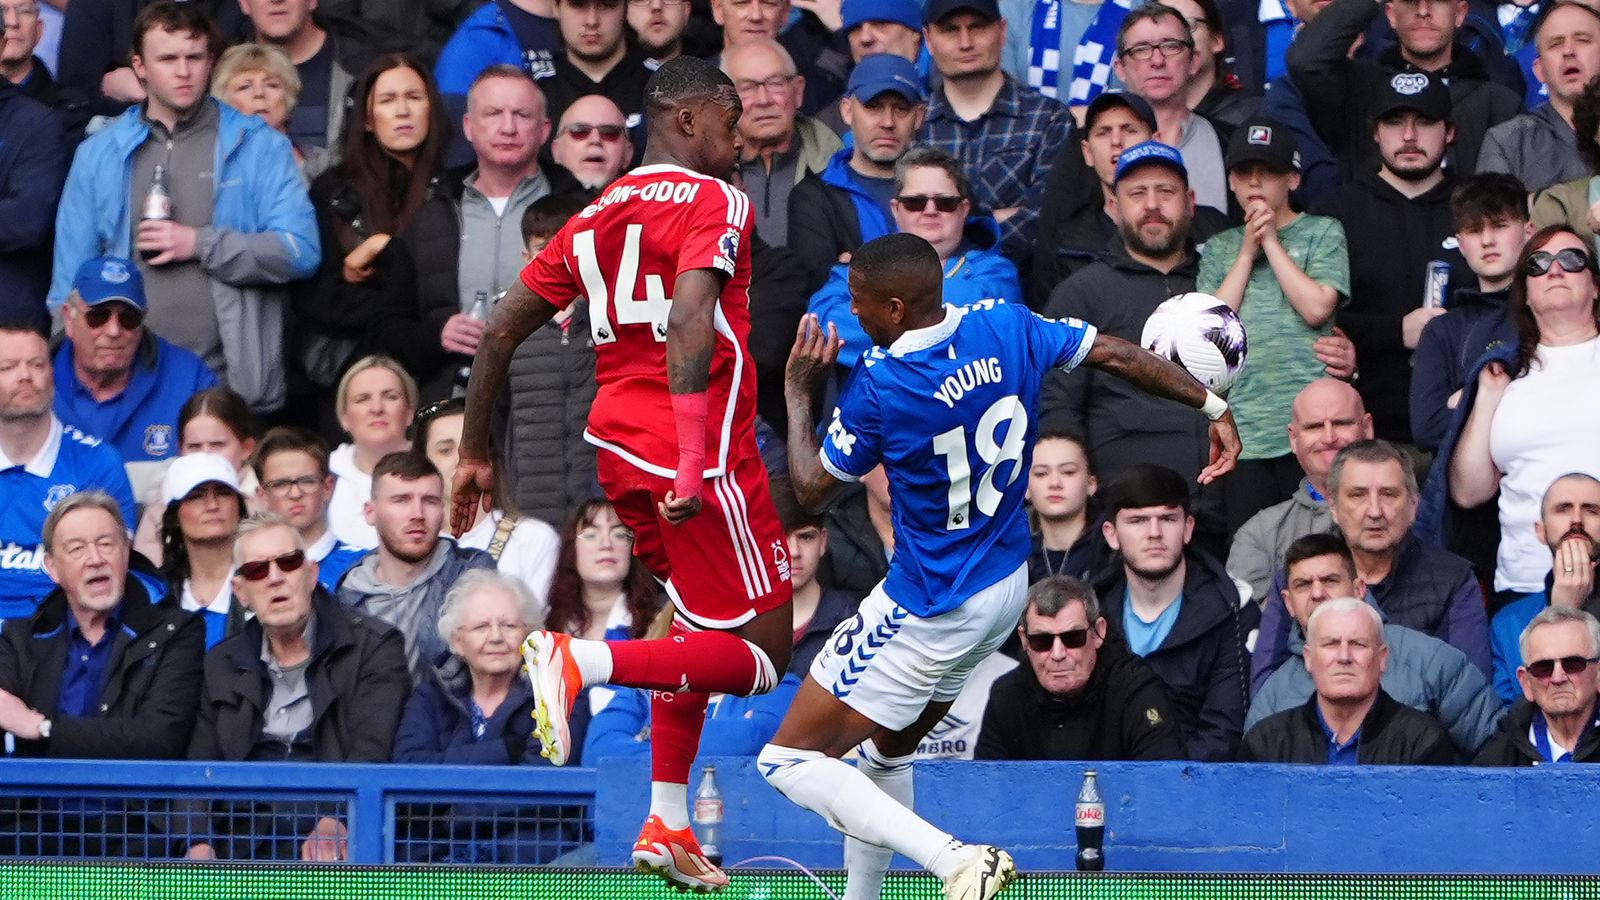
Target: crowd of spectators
247,253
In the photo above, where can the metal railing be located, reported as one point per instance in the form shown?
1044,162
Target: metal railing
267,811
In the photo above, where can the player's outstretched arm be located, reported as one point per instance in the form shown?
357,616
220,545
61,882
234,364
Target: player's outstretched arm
1162,378
812,359
691,342
520,313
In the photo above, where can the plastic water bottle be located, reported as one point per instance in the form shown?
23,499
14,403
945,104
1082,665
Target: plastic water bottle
708,816
1091,825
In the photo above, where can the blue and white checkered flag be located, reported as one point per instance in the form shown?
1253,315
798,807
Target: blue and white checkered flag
1091,65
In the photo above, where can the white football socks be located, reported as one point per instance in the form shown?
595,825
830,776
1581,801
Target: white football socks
593,659
866,863
849,801
670,802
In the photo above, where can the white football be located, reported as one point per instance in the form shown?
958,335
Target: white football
1200,333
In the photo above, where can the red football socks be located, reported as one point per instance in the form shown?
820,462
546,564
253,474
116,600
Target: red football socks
675,724
711,662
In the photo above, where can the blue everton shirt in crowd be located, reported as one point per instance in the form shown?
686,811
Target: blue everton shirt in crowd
70,461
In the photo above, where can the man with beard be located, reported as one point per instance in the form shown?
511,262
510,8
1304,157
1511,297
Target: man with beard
1178,609
596,59
847,204
1570,524
405,581
659,25
1153,260
42,462
1560,683
1399,228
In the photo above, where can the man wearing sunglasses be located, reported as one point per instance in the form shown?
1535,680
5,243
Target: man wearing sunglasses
591,142
1555,721
1080,696
1423,672
305,680
1349,719
118,380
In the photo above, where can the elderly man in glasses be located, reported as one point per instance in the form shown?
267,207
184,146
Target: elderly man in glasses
303,681
116,379
1556,722
1080,696
591,142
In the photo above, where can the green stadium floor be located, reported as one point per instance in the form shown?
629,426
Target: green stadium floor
22,880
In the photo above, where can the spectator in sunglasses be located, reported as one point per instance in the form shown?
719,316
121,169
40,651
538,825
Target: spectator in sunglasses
303,681
118,380
1081,695
933,200
1555,722
1349,719
1570,526
1528,414
591,141
1423,672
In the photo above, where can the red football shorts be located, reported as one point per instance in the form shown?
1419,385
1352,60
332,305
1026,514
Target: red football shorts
726,565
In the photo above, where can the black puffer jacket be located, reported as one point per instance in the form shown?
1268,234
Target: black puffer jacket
1203,660
552,386
1392,734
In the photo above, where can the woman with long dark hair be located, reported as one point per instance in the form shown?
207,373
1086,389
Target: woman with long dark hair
391,152
600,592
1532,411
201,509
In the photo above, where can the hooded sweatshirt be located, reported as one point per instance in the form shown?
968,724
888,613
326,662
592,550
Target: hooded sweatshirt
413,609
352,488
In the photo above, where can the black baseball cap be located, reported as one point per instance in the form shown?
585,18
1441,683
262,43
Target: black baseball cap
1133,103
1418,91
1264,140
938,9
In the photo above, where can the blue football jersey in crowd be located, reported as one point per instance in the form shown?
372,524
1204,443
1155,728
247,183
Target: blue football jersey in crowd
71,461
951,411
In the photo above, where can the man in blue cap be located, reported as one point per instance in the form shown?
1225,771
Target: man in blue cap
848,204
118,380
880,26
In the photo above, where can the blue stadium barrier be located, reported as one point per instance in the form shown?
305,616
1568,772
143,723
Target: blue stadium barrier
1172,817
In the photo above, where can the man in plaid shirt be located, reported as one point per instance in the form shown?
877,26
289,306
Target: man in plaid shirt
1005,134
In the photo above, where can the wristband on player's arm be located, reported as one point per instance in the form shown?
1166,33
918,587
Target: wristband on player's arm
1214,407
689,411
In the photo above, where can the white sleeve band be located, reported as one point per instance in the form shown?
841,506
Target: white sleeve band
1214,406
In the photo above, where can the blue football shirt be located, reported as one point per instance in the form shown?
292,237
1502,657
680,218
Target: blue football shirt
69,462
951,411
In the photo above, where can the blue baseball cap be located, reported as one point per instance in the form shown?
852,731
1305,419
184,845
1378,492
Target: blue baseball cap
901,12
882,73
1149,153
107,278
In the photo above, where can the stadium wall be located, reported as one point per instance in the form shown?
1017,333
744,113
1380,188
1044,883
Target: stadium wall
1182,817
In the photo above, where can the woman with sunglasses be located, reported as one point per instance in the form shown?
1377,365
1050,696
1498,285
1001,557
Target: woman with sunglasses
1530,413
201,509
933,200
216,420
391,152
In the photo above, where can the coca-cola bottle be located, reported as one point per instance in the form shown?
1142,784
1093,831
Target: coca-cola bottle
1091,825
708,816
157,204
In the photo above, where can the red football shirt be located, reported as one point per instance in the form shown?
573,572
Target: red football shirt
624,252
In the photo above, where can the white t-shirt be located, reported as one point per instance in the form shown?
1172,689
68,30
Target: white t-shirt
1547,424
352,488
529,556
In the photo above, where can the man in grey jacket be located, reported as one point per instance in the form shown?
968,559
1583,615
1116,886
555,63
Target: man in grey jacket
1327,416
1423,672
405,581
1539,146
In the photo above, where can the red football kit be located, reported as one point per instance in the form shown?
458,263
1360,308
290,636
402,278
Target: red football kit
624,253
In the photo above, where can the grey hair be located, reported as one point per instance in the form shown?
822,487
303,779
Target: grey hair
92,499
1341,605
782,52
1372,451
481,579
1556,615
1051,595
923,156
261,521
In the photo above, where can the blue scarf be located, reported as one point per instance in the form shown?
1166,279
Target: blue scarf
1044,69
1091,65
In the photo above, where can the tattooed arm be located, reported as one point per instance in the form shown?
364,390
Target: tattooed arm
814,356
691,341
1161,378
520,313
